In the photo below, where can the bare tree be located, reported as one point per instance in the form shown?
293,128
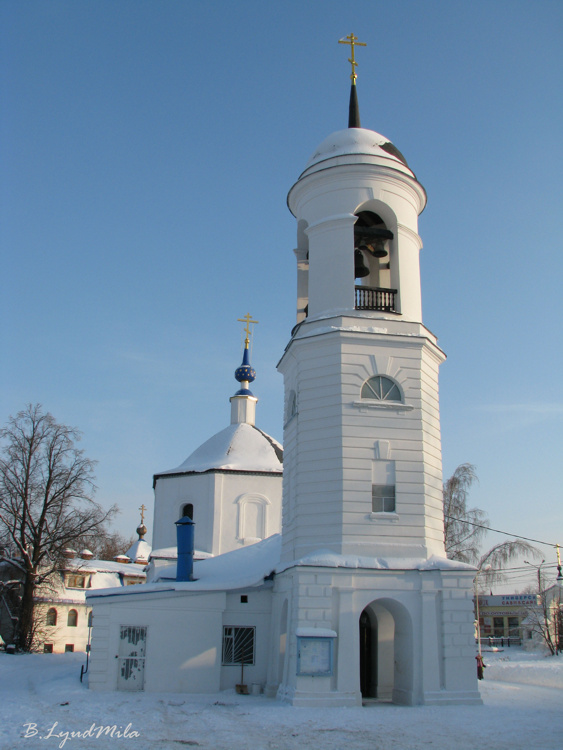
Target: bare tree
464,527
491,564
46,502
545,620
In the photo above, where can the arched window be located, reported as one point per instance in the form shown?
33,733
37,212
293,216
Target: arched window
72,620
381,388
51,618
252,518
188,510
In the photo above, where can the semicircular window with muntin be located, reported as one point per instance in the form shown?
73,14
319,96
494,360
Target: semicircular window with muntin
381,388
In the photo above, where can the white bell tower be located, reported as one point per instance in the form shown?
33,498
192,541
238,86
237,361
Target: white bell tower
363,570
361,370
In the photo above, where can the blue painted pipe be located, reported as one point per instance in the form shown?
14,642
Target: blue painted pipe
185,539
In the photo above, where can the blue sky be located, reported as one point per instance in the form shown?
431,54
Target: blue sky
148,148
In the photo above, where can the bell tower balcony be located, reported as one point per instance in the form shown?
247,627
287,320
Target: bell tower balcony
375,298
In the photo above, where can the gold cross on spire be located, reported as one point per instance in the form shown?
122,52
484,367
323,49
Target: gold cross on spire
142,509
248,320
353,42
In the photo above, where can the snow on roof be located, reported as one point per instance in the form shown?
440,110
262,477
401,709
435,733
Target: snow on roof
103,566
249,566
239,569
239,447
105,580
171,553
358,142
100,578
139,550
327,559
316,633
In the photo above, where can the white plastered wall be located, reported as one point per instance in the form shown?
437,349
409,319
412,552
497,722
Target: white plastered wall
429,615
333,440
223,503
184,638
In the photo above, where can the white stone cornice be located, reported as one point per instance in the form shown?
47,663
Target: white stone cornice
356,175
403,229
330,222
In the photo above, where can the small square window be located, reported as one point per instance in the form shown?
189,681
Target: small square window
69,648
244,599
47,648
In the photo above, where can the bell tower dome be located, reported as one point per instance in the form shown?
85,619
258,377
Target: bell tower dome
357,204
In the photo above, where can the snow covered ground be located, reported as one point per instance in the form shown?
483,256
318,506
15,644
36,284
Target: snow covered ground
40,694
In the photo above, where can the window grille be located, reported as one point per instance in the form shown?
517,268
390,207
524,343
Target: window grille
238,646
381,388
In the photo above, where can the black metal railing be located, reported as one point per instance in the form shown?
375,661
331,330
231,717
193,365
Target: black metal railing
489,640
375,298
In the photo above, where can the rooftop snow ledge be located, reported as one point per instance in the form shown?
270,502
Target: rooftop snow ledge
328,559
373,404
245,567
316,633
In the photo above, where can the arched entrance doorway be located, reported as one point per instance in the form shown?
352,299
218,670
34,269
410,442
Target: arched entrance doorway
368,655
385,631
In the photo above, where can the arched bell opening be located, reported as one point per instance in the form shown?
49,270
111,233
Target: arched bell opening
372,263
302,255
386,647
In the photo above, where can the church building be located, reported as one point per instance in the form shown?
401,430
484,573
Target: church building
231,486
354,601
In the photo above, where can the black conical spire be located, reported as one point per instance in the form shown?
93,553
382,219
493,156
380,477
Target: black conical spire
354,108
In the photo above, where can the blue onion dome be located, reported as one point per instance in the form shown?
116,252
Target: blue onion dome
245,374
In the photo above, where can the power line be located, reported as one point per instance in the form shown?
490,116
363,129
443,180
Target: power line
522,569
498,531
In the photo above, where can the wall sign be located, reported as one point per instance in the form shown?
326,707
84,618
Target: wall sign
314,655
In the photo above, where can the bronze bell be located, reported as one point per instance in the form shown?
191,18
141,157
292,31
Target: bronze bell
378,249
373,240
360,268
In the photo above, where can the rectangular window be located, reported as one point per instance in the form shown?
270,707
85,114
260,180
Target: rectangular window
498,625
75,582
69,648
238,646
383,498
47,648
513,627
383,486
